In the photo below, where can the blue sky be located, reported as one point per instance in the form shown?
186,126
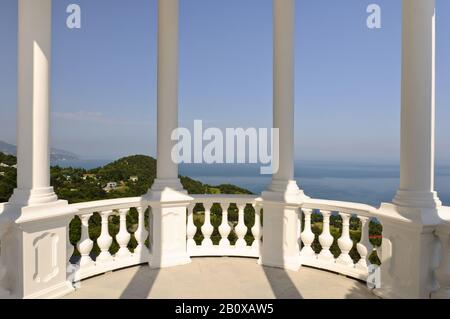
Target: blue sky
347,76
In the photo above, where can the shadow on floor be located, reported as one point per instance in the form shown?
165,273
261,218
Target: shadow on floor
282,285
141,284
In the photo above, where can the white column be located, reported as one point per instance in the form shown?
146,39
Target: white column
167,170
281,201
33,103
167,197
418,106
283,93
407,269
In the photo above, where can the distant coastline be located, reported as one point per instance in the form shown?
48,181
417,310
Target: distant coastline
82,163
356,182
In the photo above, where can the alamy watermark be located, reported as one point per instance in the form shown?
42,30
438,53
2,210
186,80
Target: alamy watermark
74,19
374,19
235,145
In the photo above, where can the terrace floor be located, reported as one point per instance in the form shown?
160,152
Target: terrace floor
221,278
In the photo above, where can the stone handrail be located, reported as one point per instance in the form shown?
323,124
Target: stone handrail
108,204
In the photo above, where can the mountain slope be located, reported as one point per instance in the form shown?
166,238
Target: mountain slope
133,176
55,154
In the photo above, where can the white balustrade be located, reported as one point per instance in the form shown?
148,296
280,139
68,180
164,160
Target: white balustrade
224,228
89,266
207,228
222,246
325,259
326,239
307,236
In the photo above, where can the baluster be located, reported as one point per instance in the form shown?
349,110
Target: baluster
241,228
257,229
207,228
326,239
364,246
150,230
191,229
307,235
299,229
443,272
123,237
345,242
105,240
141,233
69,247
85,244
224,228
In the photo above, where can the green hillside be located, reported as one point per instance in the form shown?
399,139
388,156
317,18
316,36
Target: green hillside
134,175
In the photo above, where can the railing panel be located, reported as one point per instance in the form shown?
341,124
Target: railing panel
331,243
227,225
111,243
216,241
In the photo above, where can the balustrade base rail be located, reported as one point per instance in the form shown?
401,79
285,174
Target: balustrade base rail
350,271
98,268
218,251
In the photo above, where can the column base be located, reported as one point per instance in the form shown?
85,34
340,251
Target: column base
54,292
405,198
441,294
289,263
34,249
168,215
284,191
280,248
17,213
169,261
386,293
161,184
31,197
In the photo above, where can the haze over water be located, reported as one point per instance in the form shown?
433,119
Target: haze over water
363,183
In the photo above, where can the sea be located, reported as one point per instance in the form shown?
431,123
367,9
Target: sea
367,183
